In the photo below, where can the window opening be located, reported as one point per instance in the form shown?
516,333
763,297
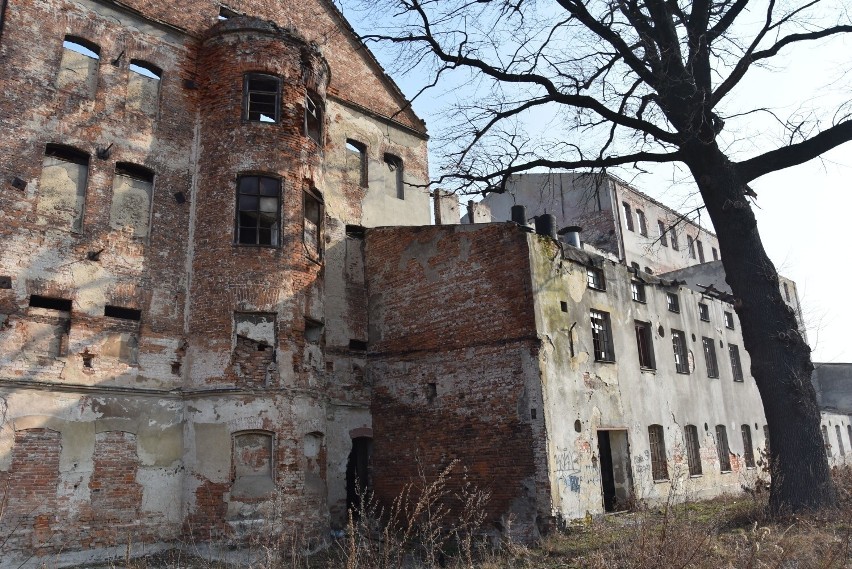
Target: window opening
358,345
645,345
123,313
690,242
825,442
680,354
700,247
51,303
710,357
358,479
258,206
261,98
78,69
736,366
715,253
659,465
356,160
82,46
628,216
595,278
313,225
673,237
673,302
225,13
637,291
693,450
145,69
313,331
602,336
662,227
722,448
729,320
395,166
786,292
748,449
313,119
840,440
643,227
704,312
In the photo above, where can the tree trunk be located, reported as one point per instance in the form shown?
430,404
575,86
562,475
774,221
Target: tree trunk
780,358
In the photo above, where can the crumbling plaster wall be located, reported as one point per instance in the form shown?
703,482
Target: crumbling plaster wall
453,366
620,395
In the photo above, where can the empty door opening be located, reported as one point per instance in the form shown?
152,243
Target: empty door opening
358,473
616,482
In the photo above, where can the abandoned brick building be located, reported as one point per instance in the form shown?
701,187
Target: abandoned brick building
223,306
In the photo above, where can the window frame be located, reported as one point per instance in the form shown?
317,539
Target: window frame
645,339
249,76
700,247
595,278
736,363
748,447
708,346
628,216
673,238
729,320
638,292
693,450
673,306
315,195
679,344
723,449
602,346
662,227
657,448
259,195
642,222
314,118
704,312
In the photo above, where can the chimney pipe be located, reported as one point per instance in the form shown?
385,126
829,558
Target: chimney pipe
545,224
571,235
519,214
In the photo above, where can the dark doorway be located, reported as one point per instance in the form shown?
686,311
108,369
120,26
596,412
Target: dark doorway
607,476
358,473
616,480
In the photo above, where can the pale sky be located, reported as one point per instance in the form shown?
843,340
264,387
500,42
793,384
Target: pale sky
804,213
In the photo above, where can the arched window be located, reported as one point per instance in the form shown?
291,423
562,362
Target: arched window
143,86
78,69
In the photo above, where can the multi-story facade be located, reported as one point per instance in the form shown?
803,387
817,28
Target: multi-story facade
182,324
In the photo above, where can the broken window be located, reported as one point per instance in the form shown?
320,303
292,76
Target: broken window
254,353
254,472
637,291
840,440
143,86
62,186
225,13
261,98
673,236
700,248
680,353
673,302
825,442
356,160
722,448
710,357
662,227
645,345
736,366
123,313
729,320
748,449
690,242
78,69
628,216
312,233
693,450
595,278
659,465
704,312
643,227
259,327
395,167
313,119
602,336
715,253
258,206
132,188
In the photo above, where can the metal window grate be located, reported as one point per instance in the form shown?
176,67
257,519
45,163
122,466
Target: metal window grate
679,347
659,466
723,449
710,357
736,366
748,449
693,450
645,345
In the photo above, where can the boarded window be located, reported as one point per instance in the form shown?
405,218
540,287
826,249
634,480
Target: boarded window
258,206
645,345
680,354
254,473
62,187
78,70
602,336
659,465
710,357
132,188
722,448
356,161
261,98
662,227
736,365
313,225
313,119
748,448
693,450
143,87
396,169
840,440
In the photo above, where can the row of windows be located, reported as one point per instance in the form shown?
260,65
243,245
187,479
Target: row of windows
357,163
666,234
659,462
262,103
827,444
604,350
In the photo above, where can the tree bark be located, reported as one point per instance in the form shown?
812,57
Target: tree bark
780,358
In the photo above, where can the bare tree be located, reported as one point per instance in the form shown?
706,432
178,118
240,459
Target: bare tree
632,82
